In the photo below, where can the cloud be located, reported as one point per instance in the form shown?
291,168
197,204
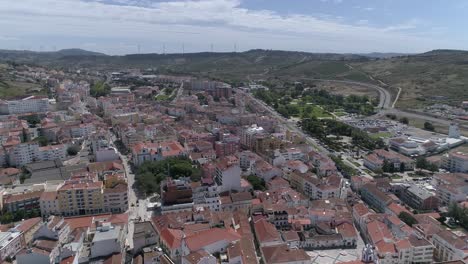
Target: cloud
197,23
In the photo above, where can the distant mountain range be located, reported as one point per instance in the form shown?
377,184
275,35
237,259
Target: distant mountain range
421,76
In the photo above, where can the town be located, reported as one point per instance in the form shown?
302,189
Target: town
133,166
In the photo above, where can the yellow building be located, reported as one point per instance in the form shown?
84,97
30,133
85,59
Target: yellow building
81,197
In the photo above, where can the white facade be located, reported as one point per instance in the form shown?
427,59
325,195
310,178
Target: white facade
26,105
53,152
456,162
49,207
23,153
207,196
116,201
107,154
106,241
447,251
229,178
83,130
10,244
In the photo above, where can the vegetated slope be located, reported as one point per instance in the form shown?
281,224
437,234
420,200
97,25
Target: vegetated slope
439,76
422,77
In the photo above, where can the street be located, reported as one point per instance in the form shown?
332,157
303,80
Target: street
137,206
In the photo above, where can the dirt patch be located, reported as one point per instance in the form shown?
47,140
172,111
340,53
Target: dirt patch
346,89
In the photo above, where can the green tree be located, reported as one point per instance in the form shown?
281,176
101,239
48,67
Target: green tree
429,126
404,120
99,89
73,150
42,141
151,173
407,218
257,182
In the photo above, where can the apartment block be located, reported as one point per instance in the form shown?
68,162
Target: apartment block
455,162
31,104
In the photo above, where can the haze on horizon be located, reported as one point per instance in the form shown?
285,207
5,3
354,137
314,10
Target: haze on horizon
146,26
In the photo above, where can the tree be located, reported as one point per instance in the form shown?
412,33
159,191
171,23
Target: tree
421,163
404,120
429,126
151,173
73,150
100,89
407,218
33,120
42,141
257,183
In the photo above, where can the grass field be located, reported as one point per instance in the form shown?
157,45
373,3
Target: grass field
316,112
9,89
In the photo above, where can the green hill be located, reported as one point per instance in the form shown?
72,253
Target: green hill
438,76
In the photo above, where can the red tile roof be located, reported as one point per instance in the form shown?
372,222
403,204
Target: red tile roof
172,237
266,232
283,254
27,224
209,237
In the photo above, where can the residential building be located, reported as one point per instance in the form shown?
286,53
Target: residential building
455,162
315,188
23,154
419,198
266,233
142,152
53,152
451,187
398,162
115,197
25,200
10,244
449,247
375,198
49,203
107,240
28,228
31,104
80,197
282,254
144,235
228,174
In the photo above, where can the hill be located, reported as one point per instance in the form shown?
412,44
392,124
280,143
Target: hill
437,76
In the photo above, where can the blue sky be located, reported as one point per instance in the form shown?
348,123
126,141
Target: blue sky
129,26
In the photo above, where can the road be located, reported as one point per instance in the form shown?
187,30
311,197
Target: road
387,106
385,98
288,124
137,207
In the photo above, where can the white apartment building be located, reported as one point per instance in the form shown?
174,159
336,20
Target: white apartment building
116,199
23,153
449,247
83,130
248,135
455,162
207,196
53,152
49,204
10,244
228,174
451,187
32,104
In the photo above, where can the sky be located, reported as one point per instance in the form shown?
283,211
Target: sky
174,26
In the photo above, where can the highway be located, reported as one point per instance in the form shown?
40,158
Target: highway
387,106
385,98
